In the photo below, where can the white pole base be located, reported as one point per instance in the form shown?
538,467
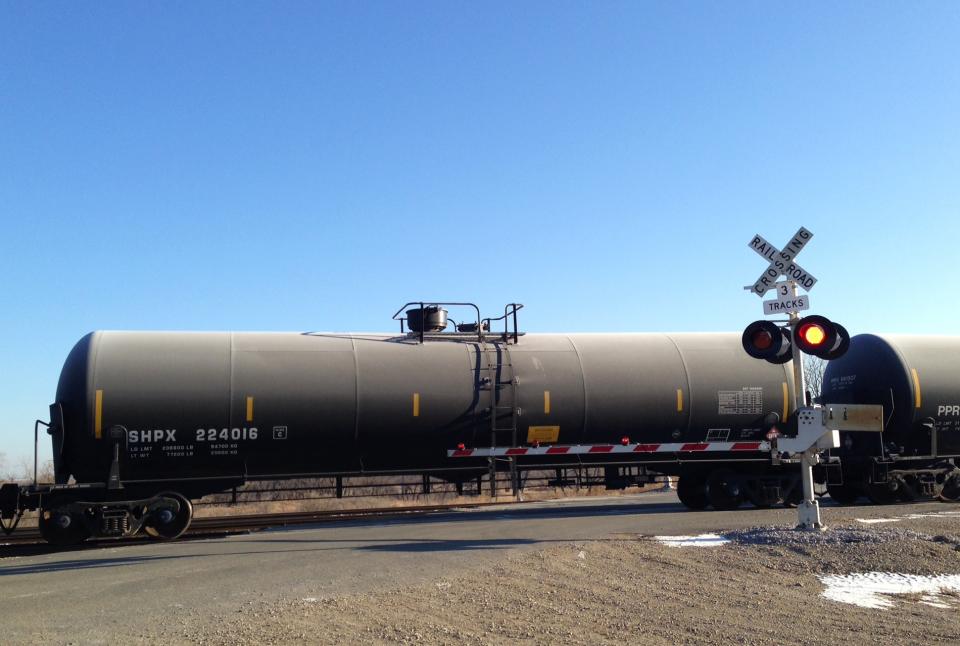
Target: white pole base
808,515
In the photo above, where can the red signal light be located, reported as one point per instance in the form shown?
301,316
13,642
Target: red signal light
816,335
765,340
812,333
762,340
821,337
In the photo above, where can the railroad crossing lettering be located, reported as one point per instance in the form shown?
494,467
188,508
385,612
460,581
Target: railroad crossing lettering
782,263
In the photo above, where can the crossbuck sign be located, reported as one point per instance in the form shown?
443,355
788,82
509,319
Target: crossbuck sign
783,263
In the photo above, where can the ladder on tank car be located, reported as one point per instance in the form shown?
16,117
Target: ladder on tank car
428,321
499,381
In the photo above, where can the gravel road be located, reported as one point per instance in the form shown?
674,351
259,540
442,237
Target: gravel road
573,572
763,587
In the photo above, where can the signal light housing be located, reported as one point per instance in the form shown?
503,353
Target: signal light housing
765,340
821,337
814,335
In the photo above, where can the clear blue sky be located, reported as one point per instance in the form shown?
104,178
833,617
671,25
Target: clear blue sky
304,165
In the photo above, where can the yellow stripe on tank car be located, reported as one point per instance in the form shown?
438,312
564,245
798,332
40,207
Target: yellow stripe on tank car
546,402
918,400
786,401
98,415
249,409
679,400
416,404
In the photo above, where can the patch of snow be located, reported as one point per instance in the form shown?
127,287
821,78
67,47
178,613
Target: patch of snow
934,514
703,540
309,599
871,521
581,555
934,600
872,589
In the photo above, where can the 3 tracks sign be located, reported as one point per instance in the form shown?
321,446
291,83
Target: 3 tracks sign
786,301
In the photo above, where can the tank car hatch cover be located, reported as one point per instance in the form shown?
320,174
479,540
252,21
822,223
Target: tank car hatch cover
430,318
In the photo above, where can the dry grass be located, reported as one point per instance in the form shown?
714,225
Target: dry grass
386,502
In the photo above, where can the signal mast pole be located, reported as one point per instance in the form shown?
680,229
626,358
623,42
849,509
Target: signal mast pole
799,383
808,511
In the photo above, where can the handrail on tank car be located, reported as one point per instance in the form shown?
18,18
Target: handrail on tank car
36,433
508,309
396,316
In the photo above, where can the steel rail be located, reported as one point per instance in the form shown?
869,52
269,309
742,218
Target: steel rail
247,522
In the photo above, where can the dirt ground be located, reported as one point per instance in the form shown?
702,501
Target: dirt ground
761,588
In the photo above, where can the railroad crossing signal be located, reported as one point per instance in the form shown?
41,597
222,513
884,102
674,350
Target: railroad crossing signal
782,263
816,335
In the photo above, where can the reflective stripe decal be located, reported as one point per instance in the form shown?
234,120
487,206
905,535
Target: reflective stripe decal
98,415
546,402
679,400
786,402
416,404
670,447
249,409
694,447
916,386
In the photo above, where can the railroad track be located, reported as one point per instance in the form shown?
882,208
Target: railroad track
203,526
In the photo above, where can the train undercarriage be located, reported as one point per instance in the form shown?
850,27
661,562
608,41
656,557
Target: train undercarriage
69,514
904,479
879,482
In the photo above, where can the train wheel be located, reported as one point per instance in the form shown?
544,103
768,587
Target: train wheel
909,489
843,494
794,497
762,493
762,497
951,490
880,494
724,490
171,518
62,528
692,491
